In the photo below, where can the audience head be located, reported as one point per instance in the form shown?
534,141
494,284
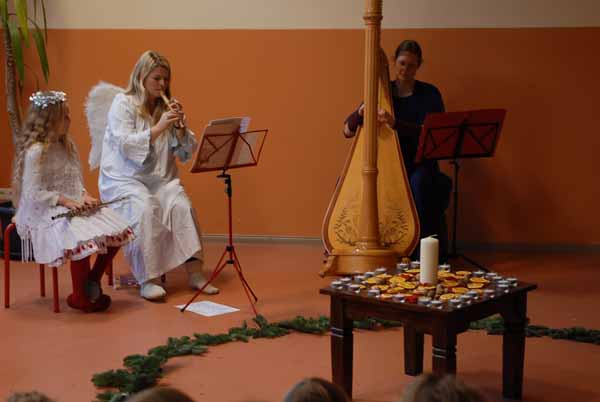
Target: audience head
160,394
434,388
316,390
32,396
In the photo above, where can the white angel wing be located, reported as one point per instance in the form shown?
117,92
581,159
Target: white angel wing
97,106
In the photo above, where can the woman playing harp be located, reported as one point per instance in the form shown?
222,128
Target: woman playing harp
413,100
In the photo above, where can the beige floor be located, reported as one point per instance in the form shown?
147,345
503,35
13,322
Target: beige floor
58,353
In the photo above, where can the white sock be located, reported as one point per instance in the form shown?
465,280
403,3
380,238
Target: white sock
152,291
197,280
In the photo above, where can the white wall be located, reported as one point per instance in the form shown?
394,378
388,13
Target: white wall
314,14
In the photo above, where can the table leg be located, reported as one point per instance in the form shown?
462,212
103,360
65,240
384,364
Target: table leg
342,343
513,347
444,350
413,351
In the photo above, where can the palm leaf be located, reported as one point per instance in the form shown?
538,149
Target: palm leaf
4,11
21,8
45,21
17,48
38,37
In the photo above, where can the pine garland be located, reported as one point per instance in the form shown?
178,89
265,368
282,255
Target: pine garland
144,371
495,326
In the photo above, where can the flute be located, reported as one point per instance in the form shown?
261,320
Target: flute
168,103
87,211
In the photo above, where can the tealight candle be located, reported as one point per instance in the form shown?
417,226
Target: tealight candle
401,267
355,287
465,299
454,303
502,288
488,293
373,292
399,297
359,278
436,304
473,293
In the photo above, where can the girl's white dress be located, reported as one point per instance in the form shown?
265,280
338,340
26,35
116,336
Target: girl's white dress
50,171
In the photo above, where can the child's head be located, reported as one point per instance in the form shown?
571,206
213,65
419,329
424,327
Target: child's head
32,396
47,118
315,390
160,394
47,121
434,388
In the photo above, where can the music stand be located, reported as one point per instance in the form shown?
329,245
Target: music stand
225,145
460,135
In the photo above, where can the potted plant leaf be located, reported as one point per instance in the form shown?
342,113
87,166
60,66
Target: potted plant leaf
21,22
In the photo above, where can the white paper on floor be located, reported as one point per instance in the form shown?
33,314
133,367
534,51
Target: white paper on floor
208,308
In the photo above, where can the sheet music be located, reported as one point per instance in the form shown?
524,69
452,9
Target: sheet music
242,122
227,143
209,309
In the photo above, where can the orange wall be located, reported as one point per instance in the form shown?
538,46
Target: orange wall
539,188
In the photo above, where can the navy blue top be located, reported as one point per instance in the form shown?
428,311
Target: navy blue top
410,112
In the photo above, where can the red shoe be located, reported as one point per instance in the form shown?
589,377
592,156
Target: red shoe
86,306
102,304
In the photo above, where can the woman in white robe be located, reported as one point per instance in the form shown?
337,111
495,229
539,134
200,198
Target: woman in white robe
143,137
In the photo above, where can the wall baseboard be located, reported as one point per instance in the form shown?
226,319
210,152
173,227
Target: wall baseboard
262,239
462,246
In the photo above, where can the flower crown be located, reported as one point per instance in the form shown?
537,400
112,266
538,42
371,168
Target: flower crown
43,99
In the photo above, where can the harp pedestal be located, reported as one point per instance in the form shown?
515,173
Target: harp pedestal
353,261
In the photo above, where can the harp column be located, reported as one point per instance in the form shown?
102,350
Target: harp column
369,253
369,215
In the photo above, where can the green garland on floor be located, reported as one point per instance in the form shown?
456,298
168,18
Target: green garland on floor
144,371
495,326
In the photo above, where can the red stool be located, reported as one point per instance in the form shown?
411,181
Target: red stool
7,233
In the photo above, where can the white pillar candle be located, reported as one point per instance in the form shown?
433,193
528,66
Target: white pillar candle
429,260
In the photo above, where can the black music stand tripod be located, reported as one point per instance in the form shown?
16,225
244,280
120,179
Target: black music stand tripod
460,135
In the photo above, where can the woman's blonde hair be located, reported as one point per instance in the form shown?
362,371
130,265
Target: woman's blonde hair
144,66
160,394
435,388
40,126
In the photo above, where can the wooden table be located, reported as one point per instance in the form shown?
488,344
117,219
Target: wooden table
443,324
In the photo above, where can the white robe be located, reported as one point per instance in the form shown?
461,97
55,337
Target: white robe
160,213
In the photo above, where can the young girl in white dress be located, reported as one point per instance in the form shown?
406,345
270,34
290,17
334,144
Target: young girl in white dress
47,182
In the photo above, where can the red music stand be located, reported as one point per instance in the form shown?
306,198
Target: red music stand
460,135
225,145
